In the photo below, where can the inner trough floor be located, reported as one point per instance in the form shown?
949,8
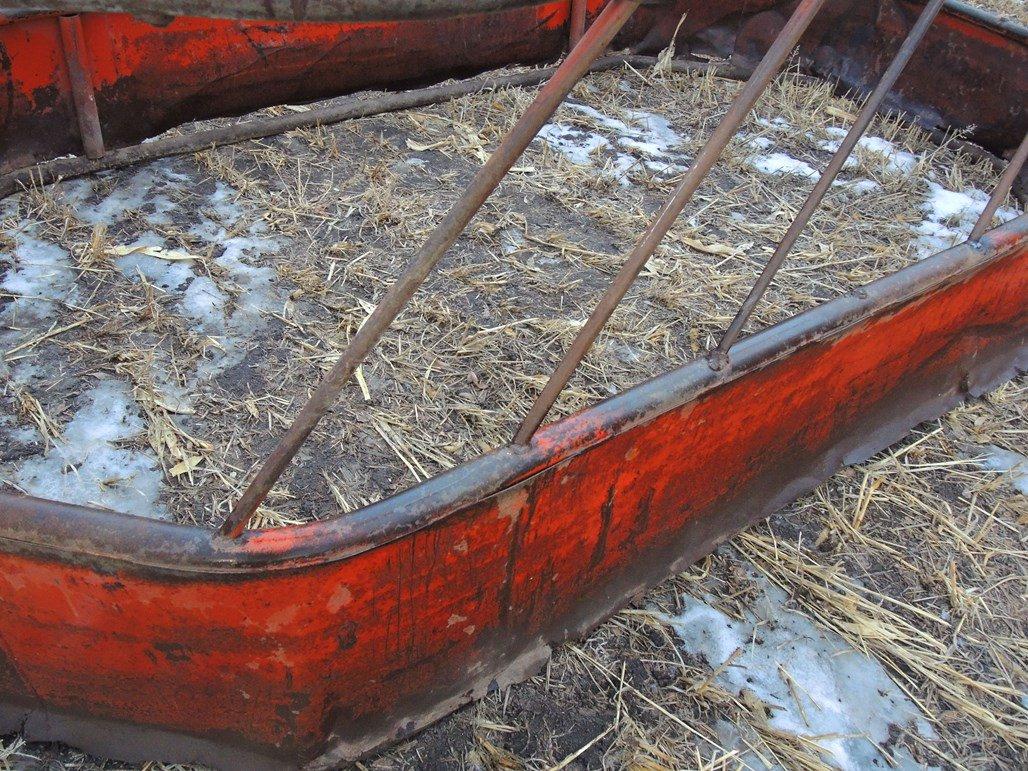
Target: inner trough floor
161,325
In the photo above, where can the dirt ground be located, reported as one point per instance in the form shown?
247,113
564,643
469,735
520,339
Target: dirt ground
209,293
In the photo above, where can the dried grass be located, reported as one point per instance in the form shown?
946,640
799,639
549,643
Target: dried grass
1012,10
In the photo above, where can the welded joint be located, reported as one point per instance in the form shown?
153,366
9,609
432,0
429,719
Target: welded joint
718,360
79,74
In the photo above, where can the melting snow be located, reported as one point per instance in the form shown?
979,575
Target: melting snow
90,463
893,159
229,319
86,465
573,143
42,275
896,161
646,139
857,186
813,683
205,303
130,195
780,163
950,216
1007,462
165,274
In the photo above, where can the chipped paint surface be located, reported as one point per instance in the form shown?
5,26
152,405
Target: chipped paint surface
145,75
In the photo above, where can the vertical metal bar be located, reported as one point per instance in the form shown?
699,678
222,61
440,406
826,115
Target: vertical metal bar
719,356
1006,181
74,44
485,181
740,108
579,8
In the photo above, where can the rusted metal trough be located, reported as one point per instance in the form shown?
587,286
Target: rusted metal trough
316,644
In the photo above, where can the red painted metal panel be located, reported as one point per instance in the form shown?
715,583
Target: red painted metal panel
970,73
316,643
149,78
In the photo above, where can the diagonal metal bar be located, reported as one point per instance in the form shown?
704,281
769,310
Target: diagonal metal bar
592,44
1006,181
867,113
647,244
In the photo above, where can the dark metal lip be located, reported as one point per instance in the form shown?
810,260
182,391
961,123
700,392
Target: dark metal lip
987,19
341,11
82,534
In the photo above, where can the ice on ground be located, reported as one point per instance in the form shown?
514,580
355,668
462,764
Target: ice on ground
813,683
40,275
229,307
205,303
227,211
164,274
256,283
1007,462
87,465
139,191
781,163
646,140
950,217
14,432
231,320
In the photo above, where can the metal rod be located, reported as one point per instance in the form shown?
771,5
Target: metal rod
647,244
74,44
867,113
999,195
357,107
579,9
485,181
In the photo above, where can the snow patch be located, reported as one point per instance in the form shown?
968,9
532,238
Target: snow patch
573,143
1007,462
138,192
87,466
782,164
857,187
838,697
40,277
164,274
205,303
950,216
645,140
893,159
229,318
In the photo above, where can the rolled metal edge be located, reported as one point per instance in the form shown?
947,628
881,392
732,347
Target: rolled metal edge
273,10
